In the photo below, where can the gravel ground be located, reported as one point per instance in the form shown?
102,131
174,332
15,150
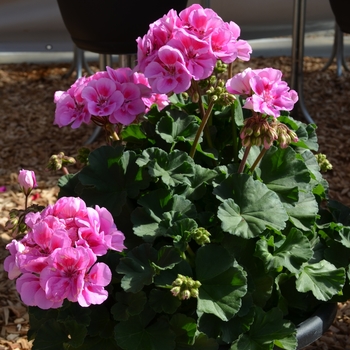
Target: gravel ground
28,139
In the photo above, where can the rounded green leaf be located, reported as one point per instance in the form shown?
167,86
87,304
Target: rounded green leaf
249,207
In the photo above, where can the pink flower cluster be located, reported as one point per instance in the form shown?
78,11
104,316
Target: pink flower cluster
117,96
264,90
57,259
179,48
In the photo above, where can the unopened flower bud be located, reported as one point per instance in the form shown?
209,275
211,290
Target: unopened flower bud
185,287
185,294
27,181
175,291
57,161
323,162
201,236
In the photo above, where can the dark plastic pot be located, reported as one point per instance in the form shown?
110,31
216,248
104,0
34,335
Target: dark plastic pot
311,329
341,11
112,26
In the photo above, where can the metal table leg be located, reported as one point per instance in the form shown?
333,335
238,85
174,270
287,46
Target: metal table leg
298,54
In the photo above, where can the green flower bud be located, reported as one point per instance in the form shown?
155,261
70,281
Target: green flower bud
201,236
185,294
175,291
185,287
323,162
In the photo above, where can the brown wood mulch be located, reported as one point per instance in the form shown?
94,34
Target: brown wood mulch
28,138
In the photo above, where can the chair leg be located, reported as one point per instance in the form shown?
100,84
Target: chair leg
79,62
337,52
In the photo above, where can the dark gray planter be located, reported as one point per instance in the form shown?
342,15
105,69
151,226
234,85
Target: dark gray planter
341,11
312,328
112,26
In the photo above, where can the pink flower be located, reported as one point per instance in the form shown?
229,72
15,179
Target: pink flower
271,94
11,265
161,100
98,232
102,97
169,73
267,93
32,294
199,59
114,239
159,33
27,181
240,83
199,21
225,44
65,273
132,106
95,280
71,108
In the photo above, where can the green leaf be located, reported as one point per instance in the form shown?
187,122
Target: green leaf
282,172
223,282
163,301
144,332
132,133
187,336
137,268
291,251
303,213
248,207
238,112
111,176
230,330
269,329
307,136
50,337
158,211
323,279
185,329
128,304
172,169
178,126
180,231
167,258
198,183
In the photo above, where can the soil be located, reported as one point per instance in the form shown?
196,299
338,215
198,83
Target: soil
29,138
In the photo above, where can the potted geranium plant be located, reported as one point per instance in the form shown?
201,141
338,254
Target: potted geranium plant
204,223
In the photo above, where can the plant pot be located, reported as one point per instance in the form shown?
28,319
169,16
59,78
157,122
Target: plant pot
111,26
312,328
341,11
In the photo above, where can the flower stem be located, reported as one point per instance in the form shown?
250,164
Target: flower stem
112,132
26,201
234,135
244,160
229,70
258,159
201,127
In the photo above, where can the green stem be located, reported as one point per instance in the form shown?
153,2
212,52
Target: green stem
258,159
234,135
201,128
229,70
26,201
111,130
244,160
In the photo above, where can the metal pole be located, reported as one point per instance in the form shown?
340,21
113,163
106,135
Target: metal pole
298,54
205,3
